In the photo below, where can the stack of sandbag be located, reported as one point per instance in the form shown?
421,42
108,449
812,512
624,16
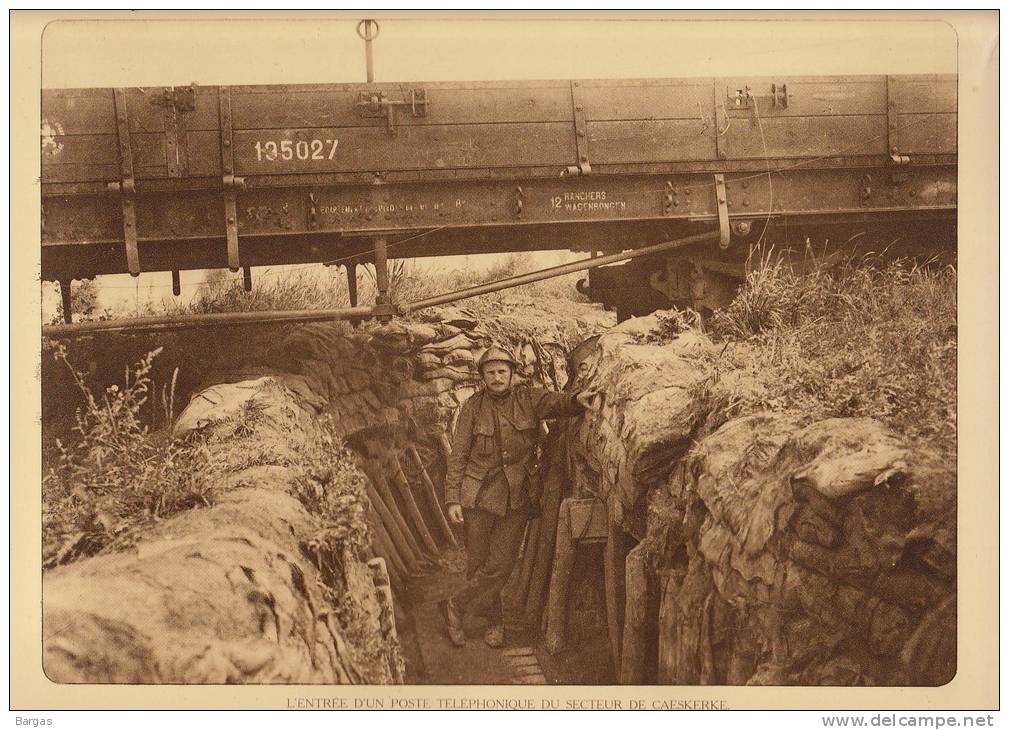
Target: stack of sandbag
773,548
392,392
251,587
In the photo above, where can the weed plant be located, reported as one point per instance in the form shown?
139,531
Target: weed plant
115,475
872,337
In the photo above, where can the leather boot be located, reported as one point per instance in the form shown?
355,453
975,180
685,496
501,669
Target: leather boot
494,636
453,622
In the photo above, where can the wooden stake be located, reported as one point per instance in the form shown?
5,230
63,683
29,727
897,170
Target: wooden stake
398,538
385,491
431,495
614,555
552,490
560,580
384,546
416,518
639,640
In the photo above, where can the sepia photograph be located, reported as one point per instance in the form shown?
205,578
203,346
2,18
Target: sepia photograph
515,358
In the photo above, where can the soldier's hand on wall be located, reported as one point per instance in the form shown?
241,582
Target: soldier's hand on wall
588,400
586,371
455,514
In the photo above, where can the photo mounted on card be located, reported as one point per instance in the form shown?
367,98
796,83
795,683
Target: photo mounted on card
590,361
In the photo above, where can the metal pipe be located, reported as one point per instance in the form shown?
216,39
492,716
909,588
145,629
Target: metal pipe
205,320
382,308
582,265
369,33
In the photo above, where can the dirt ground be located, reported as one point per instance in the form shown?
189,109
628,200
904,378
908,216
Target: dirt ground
432,659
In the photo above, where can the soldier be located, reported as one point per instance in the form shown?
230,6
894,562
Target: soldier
490,484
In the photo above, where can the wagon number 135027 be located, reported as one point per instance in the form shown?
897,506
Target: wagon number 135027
303,149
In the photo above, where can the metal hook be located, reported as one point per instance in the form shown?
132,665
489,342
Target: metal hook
367,30
366,33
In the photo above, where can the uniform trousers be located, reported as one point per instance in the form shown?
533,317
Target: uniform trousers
492,547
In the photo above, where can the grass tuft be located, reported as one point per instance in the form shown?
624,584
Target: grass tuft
869,338
115,475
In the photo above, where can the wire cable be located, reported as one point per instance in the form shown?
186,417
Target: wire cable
770,182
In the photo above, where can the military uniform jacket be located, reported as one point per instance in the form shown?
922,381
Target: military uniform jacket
476,454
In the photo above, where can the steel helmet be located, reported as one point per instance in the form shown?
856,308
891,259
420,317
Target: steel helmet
496,354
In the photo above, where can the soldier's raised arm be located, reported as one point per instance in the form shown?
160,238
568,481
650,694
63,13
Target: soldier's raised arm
549,404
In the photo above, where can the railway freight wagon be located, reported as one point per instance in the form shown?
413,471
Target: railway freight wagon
165,179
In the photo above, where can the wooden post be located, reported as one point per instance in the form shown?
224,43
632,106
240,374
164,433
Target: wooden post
67,301
678,641
406,493
383,308
395,574
614,555
560,580
553,475
352,283
398,538
385,492
639,638
352,289
384,545
431,495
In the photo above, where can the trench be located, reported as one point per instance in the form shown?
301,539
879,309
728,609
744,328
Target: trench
680,542
389,394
